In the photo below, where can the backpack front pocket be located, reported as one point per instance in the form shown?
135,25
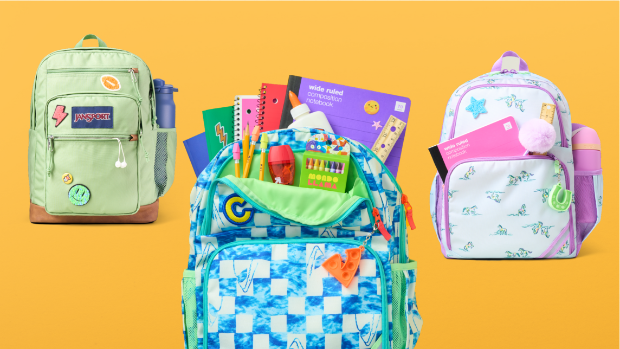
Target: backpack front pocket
92,175
276,294
498,208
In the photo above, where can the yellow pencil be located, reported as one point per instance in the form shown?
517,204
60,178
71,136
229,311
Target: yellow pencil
245,144
264,142
236,156
248,161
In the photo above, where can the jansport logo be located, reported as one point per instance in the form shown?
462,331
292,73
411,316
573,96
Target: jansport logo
110,83
89,117
92,117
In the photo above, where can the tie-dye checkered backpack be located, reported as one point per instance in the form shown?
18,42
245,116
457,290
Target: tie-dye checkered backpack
498,207
255,277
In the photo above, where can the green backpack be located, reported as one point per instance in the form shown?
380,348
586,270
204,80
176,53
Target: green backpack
96,153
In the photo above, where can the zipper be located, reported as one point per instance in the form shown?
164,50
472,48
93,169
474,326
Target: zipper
379,224
211,194
52,138
508,158
92,70
557,107
384,301
409,210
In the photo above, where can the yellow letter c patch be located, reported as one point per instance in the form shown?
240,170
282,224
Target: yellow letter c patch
234,211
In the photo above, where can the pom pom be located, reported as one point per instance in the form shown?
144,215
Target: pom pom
537,136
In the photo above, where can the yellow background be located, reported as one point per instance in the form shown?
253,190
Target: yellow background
118,286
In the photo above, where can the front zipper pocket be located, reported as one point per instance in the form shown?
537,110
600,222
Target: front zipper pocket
276,293
497,208
92,175
78,80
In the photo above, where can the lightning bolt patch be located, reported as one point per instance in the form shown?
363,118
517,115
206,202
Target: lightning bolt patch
59,114
219,131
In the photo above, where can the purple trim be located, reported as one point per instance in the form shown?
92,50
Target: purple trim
438,206
576,126
498,64
446,188
554,243
557,107
588,173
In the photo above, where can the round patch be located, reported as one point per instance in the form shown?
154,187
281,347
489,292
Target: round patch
79,195
371,107
110,83
235,210
67,178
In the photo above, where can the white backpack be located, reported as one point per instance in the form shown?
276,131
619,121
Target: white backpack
496,207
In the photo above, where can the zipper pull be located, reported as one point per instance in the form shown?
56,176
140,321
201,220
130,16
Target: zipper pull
134,79
408,211
379,224
146,154
50,161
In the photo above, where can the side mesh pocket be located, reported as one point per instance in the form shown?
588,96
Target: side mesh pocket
587,203
406,320
188,305
165,154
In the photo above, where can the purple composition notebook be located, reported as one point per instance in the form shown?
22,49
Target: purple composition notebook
352,112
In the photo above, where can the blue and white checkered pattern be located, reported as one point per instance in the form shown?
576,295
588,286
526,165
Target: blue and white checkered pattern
264,295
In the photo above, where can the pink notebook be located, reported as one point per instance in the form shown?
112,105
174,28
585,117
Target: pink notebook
246,112
498,139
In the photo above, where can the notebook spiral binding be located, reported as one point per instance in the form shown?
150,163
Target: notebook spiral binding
260,107
237,118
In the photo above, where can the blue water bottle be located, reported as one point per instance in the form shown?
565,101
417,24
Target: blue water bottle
164,107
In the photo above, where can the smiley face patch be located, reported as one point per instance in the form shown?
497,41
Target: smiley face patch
79,195
371,107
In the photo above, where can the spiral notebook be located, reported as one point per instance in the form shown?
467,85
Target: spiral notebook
270,106
246,112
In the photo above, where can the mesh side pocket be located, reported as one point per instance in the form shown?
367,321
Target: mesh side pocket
189,310
585,200
399,309
161,158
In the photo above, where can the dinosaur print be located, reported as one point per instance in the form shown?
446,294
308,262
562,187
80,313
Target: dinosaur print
470,172
521,253
494,195
467,247
512,99
470,211
521,212
501,231
545,194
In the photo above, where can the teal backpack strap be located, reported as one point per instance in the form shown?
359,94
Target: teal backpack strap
91,36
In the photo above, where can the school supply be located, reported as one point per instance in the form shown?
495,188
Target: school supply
500,138
322,149
537,136
96,153
245,143
388,137
248,161
246,113
281,164
259,244
218,128
304,118
165,109
499,206
198,152
588,193
271,101
352,112
264,142
236,156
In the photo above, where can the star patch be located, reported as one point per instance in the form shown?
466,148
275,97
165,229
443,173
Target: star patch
376,125
476,107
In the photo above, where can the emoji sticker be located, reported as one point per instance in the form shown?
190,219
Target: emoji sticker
67,178
110,83
371,107
79,195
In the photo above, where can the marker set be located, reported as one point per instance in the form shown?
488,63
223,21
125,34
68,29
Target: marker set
324,165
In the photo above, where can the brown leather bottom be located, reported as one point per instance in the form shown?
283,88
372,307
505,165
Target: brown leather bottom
146,214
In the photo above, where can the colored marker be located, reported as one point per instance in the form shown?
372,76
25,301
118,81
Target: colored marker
264,142
248,161
322,166
236,156
332,169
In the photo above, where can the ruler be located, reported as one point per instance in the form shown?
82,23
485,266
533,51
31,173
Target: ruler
547,112
388,137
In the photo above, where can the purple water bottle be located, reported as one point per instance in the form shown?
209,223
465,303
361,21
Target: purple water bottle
164,103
